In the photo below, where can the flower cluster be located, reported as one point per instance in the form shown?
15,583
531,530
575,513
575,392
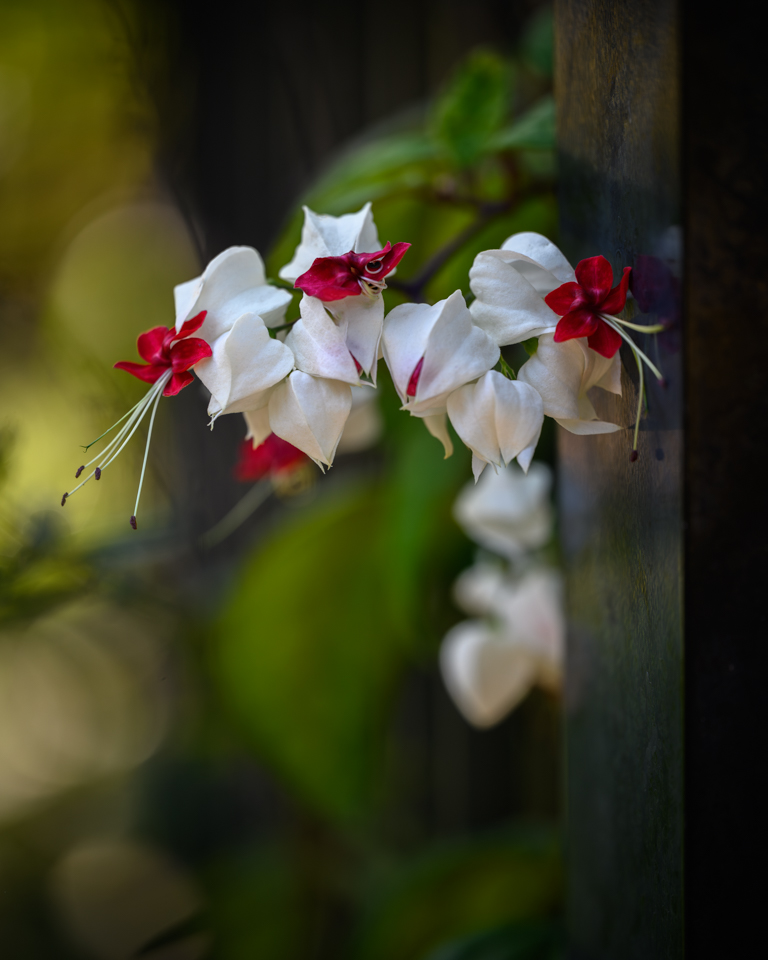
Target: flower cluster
295,381
516,638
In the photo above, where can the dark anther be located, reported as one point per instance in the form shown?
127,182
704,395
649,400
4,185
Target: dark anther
64,499
97,473
133,522
633,456
79,471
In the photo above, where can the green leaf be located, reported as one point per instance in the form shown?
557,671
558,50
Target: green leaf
537,44
474,107
306,652
461,888
531,345
535,130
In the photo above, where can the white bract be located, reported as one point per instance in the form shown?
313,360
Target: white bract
489,667
245,365
433,350
233,284
310,412
318,344
498,419
562,373
510,285
326,236
508,511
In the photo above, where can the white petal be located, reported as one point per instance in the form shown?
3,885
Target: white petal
538,250
232,284
245,362
588,427
257,424
532,611
507,306
478,466
326,236
455,351
508,512
606,374
485,676
437,424
496,418
475,589
310,412
184,297
556,371
318,344
361,321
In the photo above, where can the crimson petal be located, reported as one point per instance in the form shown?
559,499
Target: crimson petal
566,298
191,326
328,279
392,257
595,277
151,343
578,323
604,340
186,353
148,372
177,383
614,302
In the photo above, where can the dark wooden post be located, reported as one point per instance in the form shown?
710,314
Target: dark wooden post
663,159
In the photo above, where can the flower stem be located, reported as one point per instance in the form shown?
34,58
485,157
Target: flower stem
237,515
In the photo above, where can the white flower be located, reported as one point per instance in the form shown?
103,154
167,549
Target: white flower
498,419
361,321
326,236
310,412
432,350
508,511
562,373
246,363
233,284
318,344
488,668
509,285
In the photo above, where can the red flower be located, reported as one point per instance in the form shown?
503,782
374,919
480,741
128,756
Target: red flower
334,278
580,305
165,350
274,456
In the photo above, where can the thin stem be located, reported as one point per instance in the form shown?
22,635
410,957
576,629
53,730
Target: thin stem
656,328
237,515
641,391
637,349
146,452
283,326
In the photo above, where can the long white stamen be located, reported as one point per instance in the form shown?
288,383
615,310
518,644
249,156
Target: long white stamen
640,392
137,414
146,452
110,429
634,347
656,328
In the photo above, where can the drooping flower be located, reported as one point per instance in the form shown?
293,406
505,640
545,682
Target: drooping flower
232,285
563,373
326,236
498,419
310,412
352,274
433,350
318,344
169,354
583,304
508,511
489,665
271,458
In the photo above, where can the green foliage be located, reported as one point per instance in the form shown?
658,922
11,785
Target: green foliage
473,107
540,940
537,45
461,888
535,130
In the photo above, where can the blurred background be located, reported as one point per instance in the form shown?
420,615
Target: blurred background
239,746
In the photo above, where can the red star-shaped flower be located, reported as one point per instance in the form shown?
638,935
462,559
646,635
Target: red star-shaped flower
581,304
164,349
334,278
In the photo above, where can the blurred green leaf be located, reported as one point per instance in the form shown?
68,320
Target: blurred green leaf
306,651
537,44
473,107
538,940
463,888
535,130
